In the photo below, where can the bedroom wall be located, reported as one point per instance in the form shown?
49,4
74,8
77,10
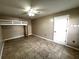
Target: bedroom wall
44,27
12,31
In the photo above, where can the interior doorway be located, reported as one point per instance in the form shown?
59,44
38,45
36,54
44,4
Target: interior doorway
60,29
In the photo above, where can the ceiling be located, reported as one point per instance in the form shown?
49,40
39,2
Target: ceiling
17,7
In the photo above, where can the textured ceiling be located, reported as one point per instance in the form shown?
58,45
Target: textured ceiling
16,7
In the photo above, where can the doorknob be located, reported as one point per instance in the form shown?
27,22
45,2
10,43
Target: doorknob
55,31
66,30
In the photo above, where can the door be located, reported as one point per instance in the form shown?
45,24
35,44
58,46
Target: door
60,29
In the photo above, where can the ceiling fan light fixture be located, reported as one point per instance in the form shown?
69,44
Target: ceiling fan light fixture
30,11
31,14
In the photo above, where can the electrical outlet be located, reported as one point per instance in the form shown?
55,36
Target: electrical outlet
73,41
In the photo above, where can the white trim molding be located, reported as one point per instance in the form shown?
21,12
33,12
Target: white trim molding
30,34
13,38
55,42
2,50
42,37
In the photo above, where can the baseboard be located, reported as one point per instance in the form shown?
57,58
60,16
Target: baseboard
30,34
1,51
72,47
13,38
56,42
42,37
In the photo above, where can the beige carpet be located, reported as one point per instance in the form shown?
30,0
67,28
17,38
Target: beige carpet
36,48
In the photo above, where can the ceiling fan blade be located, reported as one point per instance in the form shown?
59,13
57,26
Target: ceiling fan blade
43,10
24,13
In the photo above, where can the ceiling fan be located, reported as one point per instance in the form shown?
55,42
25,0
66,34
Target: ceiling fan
31,11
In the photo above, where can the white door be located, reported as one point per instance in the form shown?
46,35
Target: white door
60,29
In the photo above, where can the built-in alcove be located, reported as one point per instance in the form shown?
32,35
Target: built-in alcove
12,29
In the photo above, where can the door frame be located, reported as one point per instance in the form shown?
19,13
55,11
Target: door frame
66,28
